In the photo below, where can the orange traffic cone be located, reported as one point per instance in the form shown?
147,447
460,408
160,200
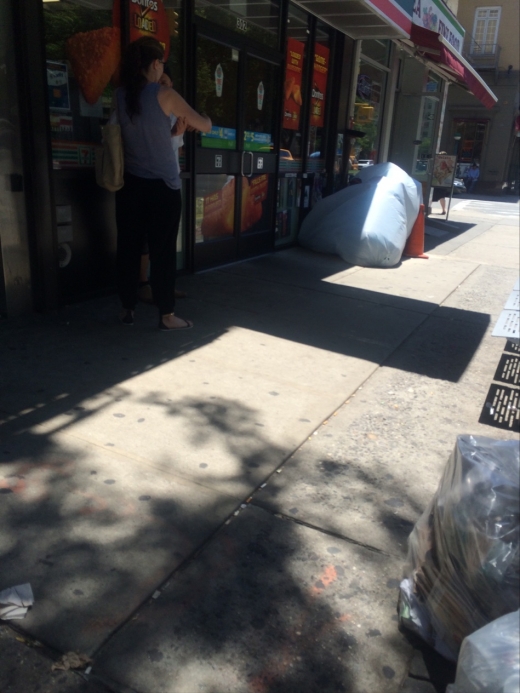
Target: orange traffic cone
415,244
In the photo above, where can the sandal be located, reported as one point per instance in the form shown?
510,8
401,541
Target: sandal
164,328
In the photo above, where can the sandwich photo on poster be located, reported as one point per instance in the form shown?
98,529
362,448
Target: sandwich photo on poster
319,85
293,85
217,218
254,193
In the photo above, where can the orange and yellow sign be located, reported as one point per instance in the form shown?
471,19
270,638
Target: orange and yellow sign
319,85
147,18
293,84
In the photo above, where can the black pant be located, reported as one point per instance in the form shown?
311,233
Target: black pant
147,208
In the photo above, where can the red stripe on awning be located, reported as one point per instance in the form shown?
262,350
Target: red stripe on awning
438,50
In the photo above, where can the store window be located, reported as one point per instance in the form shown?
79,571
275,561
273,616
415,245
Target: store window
291,148
217,90
473,133
83,52
370,94
83,48
377,50
257,19
318,100
291,141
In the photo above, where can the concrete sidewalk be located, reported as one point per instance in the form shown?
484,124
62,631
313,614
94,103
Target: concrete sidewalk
226,508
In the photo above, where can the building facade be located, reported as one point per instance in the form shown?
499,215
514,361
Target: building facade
298,93
489,137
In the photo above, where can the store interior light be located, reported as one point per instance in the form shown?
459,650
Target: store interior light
51,0
457,137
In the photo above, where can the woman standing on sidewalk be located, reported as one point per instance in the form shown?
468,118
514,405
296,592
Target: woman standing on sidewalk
149,203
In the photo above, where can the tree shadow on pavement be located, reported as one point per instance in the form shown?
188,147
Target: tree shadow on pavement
97,525
263,605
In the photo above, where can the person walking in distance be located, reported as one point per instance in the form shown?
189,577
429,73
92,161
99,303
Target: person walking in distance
149,203
440,194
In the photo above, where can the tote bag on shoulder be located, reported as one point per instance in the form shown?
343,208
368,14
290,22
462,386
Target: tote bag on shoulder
109,158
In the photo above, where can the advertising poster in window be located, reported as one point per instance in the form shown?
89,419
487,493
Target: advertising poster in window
147,18
218,208
58,86
254,193
319,85
293,85
217,218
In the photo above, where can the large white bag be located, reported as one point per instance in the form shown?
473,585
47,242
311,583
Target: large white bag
489,660
366,224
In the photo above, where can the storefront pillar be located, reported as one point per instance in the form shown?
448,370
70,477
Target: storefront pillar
29,49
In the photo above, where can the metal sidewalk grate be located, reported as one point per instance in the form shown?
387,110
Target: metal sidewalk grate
512,347
508,325
508,370
502,408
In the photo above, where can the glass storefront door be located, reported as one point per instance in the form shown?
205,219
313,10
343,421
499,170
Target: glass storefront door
235,164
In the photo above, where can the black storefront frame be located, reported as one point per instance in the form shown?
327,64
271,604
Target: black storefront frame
36,135
28,30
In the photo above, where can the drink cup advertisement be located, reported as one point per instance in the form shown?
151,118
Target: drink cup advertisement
319,85
219,80
58,86
293,83
260,96
443,170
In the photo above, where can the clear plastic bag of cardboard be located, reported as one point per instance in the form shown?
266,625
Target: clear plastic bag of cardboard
464,550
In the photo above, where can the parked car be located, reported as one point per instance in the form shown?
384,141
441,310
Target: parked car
458,187
363,163
285,154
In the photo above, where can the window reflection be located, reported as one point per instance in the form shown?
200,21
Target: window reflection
259,101
217,71
368,111
83,48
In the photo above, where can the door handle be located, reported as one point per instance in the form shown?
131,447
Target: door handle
242,173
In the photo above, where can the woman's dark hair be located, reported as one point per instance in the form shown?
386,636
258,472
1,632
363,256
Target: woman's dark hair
138,57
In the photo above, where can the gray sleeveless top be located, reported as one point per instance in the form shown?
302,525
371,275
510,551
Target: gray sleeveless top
147,139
